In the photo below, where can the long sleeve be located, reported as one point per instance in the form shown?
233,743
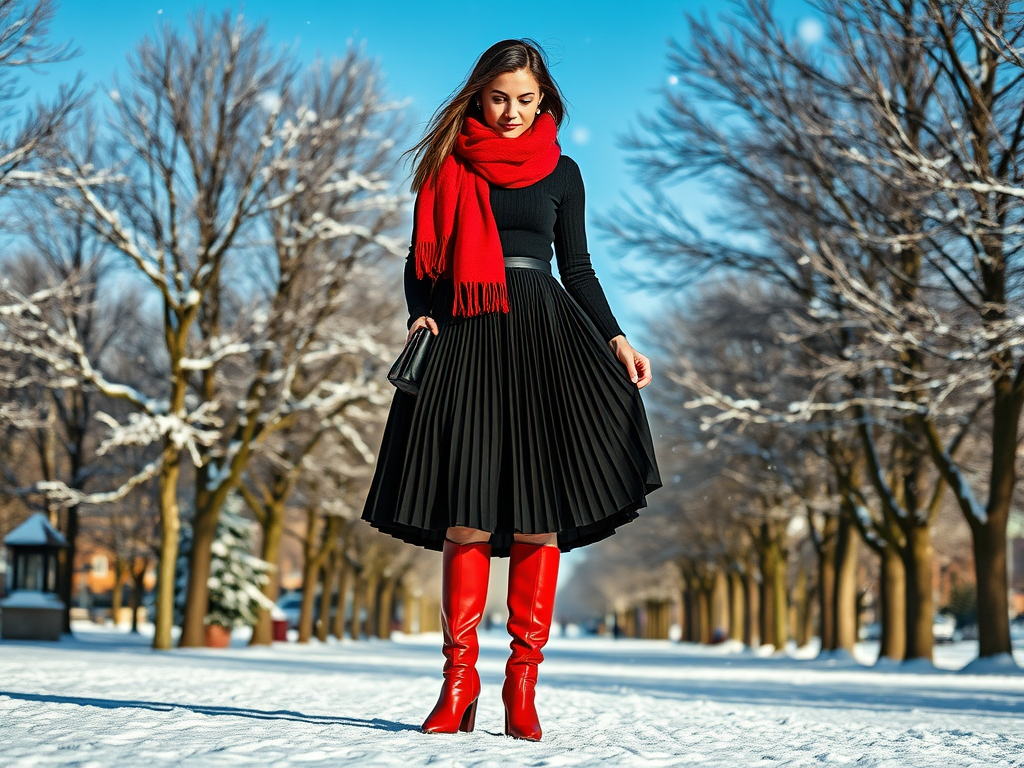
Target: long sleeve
574,265
417,291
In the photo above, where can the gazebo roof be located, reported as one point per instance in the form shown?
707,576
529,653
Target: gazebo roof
35,532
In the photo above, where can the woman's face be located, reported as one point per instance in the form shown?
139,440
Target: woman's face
510,102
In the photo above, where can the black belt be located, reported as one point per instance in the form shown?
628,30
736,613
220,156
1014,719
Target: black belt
530,262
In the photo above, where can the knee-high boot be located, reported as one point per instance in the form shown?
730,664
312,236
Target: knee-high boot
465,573
532,577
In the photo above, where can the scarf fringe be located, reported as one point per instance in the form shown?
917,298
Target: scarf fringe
475,298
430,258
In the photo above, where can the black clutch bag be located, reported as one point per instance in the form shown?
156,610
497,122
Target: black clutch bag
407,371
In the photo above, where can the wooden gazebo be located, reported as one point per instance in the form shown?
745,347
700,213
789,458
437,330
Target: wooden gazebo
32,609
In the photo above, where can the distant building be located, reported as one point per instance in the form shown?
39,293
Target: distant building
95,576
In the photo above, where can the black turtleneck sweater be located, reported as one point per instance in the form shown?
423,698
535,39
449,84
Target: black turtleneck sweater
529,220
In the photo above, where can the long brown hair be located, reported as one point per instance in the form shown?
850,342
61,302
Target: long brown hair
446,122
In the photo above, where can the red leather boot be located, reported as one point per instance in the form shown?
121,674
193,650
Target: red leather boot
532,576
465,572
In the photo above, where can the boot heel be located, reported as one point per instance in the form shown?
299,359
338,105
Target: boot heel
469,719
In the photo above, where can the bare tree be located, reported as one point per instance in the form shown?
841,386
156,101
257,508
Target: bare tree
209,173
24,32
204,149
26,145
886,190
325,276
193,126
301,346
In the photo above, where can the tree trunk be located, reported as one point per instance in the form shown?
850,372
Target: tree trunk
656,619
802,605
767,596
314,559
861,598
385,613
67,574
988,526
627,621
328,573
703,614
827,584
767,627
780,596
197,595
135,599
717,583
272,523
117,593
846,584
170,526
370,603
686,616
341,603
993,609
736,606
310,576
752,615
409,625
893,599
429,614
808,626
358,587
917,562
989,537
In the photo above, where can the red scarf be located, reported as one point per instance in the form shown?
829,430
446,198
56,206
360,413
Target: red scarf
460,195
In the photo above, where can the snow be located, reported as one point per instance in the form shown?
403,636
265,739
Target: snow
26,598
35,532
999,664
104,698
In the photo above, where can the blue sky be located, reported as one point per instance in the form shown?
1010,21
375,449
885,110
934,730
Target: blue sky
609,59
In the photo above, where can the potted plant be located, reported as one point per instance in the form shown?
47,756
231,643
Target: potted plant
217,636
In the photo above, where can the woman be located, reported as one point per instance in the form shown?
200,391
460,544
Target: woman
528,437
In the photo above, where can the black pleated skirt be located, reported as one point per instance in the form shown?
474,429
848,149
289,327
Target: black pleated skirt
526,422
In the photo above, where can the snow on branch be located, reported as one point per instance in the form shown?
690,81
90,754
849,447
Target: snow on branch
64,496
29,330
195,430
218,352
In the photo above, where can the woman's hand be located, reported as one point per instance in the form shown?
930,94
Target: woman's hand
637,366
419,322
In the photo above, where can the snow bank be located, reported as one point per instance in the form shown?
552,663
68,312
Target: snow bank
1000,664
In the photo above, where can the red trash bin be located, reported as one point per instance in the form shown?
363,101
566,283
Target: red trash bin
279,629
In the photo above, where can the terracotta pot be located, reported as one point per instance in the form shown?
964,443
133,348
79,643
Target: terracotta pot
217,636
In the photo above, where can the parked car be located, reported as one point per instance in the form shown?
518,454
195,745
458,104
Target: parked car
290,604
944,628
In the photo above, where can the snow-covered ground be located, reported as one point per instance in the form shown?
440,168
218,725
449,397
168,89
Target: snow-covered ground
105,699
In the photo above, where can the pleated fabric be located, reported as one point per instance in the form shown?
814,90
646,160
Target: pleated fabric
526,422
